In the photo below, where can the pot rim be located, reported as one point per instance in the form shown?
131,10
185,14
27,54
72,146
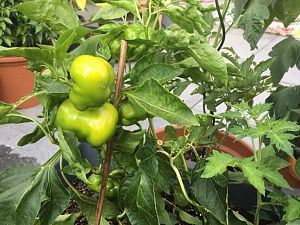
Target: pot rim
247,150
12,59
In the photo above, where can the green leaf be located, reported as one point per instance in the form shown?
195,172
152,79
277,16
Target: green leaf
278,133
44,56
129,5
287,11
137,195
294,222
32,137
292,210
77,165
109,12
259,109
14,119
274,177
58,198
24,189
211,193
68,219
189,218
284,100
274,162
58,14
161,72
286,54
5,108
89,47
177,16
254,174
253,20
124,148
158,101
211,60
217,164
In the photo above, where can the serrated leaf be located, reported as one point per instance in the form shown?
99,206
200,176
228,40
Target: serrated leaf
36,135
258,109
274,177
231,114
217,164
286,55
274,162
211,60
284,100
253,20
253,174
158,101
292,210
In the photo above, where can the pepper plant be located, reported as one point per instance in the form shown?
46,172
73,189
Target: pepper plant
177,178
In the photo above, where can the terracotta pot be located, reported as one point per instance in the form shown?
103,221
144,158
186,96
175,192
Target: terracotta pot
143,2
242,149
16,81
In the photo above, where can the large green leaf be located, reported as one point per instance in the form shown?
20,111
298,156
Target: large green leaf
274,177
137,195
23,192
129,5
160,72
284,100
211,60
286,54
292,210
211,193
254,174
287,11
253,20
57,199
158,101
58,14
44,56
217,164
109,12
78,166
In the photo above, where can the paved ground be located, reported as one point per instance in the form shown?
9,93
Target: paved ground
41,151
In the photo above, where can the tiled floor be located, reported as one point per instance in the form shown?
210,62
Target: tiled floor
41,151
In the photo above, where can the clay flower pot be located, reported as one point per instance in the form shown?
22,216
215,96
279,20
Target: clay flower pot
242,149
16,81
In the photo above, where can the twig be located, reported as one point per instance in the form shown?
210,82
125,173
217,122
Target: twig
108,152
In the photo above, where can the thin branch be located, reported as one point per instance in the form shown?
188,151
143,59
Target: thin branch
108,152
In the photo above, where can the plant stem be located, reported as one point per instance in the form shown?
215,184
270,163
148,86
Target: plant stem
181,184
256,218
108,153
138,13
26,98
52,140
259,201
184,162
152,127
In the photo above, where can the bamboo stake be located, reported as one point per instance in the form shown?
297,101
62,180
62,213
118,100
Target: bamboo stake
108,152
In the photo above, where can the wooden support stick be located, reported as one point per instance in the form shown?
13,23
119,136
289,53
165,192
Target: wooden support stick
108,152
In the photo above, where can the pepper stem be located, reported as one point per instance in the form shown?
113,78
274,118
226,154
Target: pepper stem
108,152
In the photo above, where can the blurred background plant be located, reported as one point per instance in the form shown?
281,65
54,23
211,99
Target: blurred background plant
18,30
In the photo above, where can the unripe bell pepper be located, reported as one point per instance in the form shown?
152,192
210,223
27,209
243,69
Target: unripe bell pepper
94,81
131,113
96,125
